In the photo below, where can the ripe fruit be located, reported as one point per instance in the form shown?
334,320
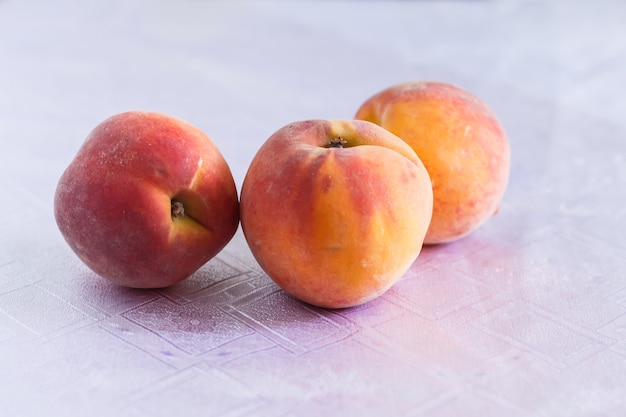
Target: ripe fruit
461,143
147,200
335,211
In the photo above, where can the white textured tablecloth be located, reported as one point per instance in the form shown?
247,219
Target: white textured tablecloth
525,317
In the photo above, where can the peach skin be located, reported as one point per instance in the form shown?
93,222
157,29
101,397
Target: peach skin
335,211
461,143
147,200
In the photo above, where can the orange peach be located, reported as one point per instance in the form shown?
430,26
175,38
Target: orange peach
147,200
461,143
335,212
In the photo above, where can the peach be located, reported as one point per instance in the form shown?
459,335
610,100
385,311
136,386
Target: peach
335,211
147,200
461,143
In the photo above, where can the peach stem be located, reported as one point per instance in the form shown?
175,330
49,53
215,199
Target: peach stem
338,142
178,210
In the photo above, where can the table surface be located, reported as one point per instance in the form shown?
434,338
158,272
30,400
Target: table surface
525,317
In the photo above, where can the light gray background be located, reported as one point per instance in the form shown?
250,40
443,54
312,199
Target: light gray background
526,317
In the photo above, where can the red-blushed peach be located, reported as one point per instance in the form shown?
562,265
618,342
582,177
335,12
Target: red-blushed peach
334,211
461,143
147,200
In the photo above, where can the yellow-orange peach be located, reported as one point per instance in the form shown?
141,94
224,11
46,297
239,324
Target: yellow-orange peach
335,211
147,200
461,143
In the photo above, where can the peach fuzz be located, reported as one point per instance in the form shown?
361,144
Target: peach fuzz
335,211
147,200
461,143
